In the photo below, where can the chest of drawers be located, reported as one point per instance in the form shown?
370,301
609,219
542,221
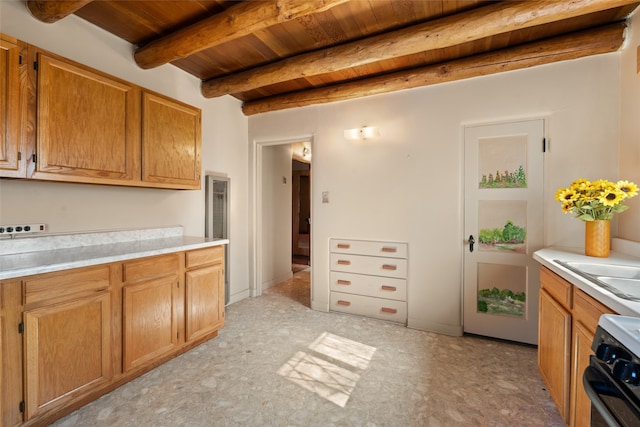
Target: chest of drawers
369,278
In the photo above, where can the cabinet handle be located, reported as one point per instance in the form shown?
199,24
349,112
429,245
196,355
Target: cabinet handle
389,249
388,288
389,267
344,262
388,310
344,282
343,302
344,246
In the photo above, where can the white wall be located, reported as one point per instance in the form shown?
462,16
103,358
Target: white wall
276,215
407,185
629,221
75,207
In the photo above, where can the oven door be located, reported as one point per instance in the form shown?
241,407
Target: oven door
612,403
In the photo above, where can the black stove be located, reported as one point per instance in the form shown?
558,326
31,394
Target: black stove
612,379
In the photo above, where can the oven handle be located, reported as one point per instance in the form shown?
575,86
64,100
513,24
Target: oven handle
592,375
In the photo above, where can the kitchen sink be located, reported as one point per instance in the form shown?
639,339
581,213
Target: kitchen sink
621,280
609,270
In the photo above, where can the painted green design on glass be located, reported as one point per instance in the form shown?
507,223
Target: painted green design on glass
515,179
508,238
505,301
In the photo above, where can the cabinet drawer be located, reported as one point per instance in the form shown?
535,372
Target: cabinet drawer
374,286
204,256
371,248
377,266
557,287
587,310
148,268
379,308
62,285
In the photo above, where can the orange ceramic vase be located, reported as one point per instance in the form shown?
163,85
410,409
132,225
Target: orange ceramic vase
597,239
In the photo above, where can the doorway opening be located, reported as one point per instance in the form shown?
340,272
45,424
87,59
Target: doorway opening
283,228
300,208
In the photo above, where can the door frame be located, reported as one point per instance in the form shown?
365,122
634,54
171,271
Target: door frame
257,238
545,118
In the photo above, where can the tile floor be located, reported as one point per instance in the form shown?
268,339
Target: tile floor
279,363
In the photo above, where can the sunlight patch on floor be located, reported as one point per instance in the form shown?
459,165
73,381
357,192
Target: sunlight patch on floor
333,369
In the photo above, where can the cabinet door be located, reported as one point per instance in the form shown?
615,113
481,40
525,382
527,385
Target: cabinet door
67,352
11,164
88,124
150,320
554,350
11,381
580,402
204,301
171,141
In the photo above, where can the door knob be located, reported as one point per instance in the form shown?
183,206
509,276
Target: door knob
471,242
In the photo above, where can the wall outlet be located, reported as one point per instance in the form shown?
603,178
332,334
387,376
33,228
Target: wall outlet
22,229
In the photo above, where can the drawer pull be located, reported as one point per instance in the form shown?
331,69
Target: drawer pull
388,310
344,262
389,249
343,302
389,267
344,246
388,288
344,282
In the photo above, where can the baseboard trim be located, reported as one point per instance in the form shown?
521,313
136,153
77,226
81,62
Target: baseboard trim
439,328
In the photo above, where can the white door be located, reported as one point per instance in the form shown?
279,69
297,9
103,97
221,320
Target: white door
503,225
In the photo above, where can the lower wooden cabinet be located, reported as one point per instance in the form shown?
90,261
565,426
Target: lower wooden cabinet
150,303
204,292
567,323
11,381
67,351
150,327
554,350
69,337
580,402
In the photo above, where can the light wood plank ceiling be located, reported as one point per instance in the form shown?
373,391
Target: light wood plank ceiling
277,54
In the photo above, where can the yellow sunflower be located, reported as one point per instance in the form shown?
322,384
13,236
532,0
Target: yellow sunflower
611,196
567,207
595,200
566,195
628,188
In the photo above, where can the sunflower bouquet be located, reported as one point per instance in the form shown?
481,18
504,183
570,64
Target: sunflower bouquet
595,200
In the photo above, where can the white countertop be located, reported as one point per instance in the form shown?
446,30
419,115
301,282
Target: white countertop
622,306
54,253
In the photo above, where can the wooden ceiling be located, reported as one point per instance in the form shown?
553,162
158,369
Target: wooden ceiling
277,54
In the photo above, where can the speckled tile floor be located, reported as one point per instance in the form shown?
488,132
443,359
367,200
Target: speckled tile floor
278,363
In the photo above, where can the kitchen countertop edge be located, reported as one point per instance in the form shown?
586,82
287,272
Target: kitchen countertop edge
38,262
547,257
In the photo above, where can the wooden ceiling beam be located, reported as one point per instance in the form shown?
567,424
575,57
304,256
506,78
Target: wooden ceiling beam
585,43
472,25
238,21
51,11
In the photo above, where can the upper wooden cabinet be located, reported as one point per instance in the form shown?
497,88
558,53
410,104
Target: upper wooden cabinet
63,121
171,140
12,163
87,124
